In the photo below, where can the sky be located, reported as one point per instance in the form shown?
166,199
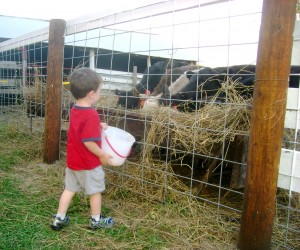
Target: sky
65,9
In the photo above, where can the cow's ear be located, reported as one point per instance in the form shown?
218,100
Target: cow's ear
117,92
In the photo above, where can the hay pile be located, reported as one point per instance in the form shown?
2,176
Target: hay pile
198,132
35,97
201,132
107,99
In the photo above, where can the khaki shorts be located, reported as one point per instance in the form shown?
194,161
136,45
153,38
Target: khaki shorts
88,181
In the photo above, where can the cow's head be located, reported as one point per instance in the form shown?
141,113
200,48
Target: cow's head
127,99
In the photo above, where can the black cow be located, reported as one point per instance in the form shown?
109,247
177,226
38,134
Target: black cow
128,99
207,82
172,81
171,76
186,86
204,85
151,78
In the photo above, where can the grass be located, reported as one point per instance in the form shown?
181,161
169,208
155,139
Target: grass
29,197
25,220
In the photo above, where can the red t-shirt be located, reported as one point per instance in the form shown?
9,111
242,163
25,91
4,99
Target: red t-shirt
84,126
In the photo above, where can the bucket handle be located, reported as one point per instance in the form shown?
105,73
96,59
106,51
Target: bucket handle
115,150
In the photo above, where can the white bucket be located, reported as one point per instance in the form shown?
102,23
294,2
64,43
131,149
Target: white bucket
117,143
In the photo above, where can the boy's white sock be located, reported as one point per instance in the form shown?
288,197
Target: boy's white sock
61,215
96,217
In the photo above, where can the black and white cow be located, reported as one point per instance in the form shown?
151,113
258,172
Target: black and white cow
172,81
201,86
204,85
171,76
150,80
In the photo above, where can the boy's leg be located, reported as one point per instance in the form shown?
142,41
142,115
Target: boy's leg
95,204
98,220
65,201
61,219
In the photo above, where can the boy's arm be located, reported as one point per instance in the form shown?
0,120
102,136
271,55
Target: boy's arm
96,150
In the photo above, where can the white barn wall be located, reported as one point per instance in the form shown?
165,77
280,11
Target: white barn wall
296,44
289,166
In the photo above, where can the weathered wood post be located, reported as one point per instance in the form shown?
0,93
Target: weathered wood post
53,90
267,121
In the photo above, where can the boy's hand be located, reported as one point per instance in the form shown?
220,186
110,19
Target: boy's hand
103,125
105,159
96,150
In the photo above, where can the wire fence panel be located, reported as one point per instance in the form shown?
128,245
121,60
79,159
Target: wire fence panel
26,76
178,76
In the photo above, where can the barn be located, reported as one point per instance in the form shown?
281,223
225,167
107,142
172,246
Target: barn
221,124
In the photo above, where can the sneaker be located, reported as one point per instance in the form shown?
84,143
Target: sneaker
104,222
58,223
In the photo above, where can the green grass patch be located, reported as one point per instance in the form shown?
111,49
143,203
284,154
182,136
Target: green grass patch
16,146
29,197
30,192
20,221
8,160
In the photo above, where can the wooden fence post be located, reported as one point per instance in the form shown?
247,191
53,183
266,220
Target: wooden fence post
53,90
267,121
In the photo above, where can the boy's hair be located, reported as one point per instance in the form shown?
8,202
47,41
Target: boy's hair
83,81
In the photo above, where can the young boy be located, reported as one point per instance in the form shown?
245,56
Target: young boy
84,170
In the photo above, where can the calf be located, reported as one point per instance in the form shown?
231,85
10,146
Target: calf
175,87
128,99
204,85
171,82
171,76
150,80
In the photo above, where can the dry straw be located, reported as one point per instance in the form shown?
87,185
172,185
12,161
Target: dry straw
35,96
202,132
